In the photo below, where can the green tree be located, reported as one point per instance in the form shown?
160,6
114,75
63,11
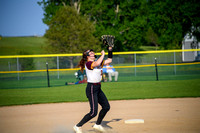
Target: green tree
110,17
70,33
50,7
172,20
125,19
130,20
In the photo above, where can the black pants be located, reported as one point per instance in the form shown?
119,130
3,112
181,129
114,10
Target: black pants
95,95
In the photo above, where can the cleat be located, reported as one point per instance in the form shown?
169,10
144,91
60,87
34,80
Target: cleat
77,129
99,128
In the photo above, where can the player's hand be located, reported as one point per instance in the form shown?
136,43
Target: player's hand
102,52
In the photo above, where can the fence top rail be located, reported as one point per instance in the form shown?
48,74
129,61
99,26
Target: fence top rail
114,53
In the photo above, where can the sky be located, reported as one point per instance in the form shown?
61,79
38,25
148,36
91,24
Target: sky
21,18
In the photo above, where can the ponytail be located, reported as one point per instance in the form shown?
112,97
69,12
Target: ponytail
83,61
82,64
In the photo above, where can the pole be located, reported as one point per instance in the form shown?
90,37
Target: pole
175,63
48,75
58,67
17,68
135,63
156,69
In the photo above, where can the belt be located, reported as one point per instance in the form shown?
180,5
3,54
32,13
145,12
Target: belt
99,83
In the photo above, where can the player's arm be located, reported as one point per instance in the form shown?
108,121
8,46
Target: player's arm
110,55
99,61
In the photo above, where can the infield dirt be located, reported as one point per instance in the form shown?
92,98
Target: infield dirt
178,115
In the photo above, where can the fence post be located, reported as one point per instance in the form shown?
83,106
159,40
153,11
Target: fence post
135,63
17,68
174,62
58,67
156,69
48,75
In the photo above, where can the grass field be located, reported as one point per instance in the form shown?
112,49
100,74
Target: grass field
13,45
113,90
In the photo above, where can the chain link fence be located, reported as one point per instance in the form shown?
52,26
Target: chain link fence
31,71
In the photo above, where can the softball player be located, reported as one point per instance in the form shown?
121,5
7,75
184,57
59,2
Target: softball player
93,90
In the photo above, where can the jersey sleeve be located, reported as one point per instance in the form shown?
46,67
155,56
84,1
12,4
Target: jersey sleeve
89,65
102,63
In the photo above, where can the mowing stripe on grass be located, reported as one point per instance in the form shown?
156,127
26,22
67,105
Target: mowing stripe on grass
113,90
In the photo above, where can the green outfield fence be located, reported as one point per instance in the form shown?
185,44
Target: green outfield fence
30,71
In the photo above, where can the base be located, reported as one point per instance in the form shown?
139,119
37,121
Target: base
132,121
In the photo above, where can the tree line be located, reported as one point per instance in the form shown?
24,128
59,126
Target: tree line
75,25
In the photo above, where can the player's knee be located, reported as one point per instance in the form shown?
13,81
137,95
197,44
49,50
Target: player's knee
107,108
93,114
